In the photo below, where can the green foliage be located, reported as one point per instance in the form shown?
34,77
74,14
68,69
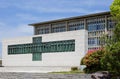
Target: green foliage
115,12
111,60
115,9
92,61
69,72
116,31
74,68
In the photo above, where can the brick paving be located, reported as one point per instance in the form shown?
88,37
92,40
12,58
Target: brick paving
23,75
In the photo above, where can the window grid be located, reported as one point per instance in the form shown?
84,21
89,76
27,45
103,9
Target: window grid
76,25
95,24
55,46
94,41
42,29
111,23
58,27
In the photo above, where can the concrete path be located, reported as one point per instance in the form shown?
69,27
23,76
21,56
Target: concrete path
38,73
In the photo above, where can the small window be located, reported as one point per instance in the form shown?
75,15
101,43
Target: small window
36,56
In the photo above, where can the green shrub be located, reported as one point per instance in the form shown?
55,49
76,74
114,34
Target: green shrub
111,60
74,68
92,61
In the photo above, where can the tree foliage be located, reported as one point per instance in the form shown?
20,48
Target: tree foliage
111,60
115,9
115,12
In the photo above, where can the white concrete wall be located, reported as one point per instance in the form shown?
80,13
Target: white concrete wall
48,59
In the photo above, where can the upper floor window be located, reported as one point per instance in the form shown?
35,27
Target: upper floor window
95,24
44,29
93,41
111,23
76,25
58,27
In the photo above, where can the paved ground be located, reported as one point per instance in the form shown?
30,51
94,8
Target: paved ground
22,75
38,73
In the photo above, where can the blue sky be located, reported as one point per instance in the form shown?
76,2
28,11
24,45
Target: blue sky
15,15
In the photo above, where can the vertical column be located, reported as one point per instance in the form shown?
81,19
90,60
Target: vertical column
50,28
85,24
67,26
86,36
35,30
106,28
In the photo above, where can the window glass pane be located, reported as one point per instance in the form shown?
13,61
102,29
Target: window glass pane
36,56
46,47
76,25
96,24
59,27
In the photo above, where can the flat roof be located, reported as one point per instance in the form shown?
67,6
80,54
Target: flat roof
71,18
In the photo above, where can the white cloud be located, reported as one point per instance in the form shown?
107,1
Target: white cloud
15,31
7,32
36,18
63,10
66,6
27,17
24,29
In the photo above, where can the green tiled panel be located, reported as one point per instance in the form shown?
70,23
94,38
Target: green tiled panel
38,47
57,46
37,39
36,56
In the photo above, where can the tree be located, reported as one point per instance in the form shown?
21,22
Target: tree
115,9
115,12
111,59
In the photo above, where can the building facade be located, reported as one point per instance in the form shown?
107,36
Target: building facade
58,49
60,42
96,25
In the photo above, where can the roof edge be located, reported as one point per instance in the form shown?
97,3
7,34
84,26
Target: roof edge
70,18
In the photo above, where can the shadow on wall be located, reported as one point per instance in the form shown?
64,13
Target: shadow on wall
0,54
0,63
0,50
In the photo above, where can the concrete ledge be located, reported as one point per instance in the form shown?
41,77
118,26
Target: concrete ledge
34,69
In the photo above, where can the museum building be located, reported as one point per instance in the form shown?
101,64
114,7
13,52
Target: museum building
61,42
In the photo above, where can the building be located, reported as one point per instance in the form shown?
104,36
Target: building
95,24
60,42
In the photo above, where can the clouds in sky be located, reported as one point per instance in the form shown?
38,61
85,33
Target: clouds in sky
80,6
12,32
17,14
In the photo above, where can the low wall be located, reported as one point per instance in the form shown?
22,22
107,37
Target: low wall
13,75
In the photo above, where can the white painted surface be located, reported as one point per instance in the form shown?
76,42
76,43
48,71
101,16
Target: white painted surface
34,69
48,59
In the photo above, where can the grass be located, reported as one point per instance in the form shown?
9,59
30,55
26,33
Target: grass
69,72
